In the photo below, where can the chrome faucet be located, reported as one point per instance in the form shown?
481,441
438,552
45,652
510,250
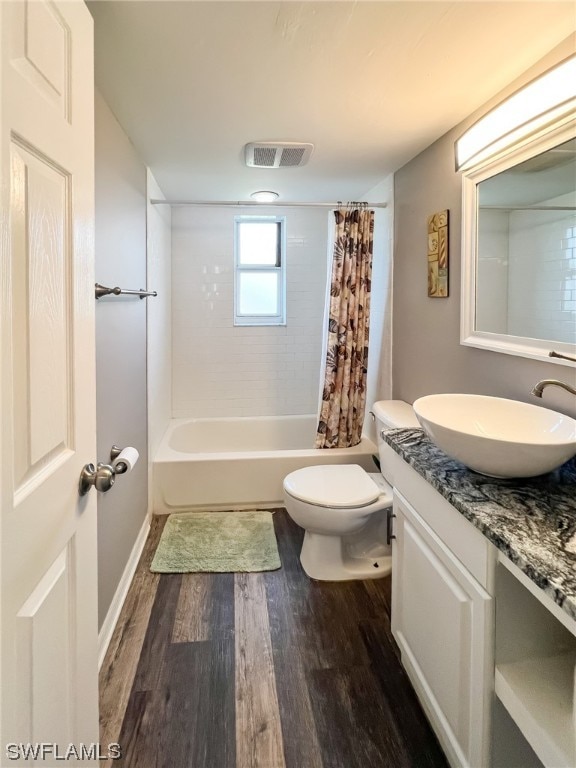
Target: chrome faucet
541,386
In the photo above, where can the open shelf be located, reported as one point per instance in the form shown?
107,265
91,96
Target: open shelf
535,657
539,695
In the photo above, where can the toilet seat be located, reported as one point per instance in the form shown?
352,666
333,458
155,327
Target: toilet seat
335,486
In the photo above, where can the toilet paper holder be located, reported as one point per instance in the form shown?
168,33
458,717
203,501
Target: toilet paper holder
103,476
121,467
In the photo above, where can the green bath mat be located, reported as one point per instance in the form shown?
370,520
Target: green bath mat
219,542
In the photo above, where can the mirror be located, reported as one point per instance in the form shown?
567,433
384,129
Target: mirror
519,249
526,260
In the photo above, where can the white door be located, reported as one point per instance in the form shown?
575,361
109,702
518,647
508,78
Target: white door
441,620
47,377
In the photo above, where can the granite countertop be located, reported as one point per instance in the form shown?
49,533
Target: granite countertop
531,520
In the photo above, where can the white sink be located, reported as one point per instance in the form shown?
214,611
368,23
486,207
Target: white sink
498,437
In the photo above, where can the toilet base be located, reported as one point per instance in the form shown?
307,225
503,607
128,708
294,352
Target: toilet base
328,558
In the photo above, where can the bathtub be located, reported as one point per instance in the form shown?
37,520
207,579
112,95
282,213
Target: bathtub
237,463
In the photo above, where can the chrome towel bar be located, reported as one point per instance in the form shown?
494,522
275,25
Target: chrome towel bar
101,290
564,357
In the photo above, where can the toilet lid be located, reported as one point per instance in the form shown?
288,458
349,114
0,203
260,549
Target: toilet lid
332,485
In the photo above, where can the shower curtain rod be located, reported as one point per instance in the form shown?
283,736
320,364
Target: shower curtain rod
255,204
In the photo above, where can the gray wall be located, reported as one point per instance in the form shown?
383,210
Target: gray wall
120,344
427,355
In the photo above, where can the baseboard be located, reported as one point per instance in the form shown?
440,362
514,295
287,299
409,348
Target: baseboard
105,634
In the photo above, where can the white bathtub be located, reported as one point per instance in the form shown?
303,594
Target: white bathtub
235,463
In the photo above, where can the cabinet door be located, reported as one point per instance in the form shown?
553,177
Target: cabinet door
441,619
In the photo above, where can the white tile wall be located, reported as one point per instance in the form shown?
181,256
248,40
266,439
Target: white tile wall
222,370
528,273
542,274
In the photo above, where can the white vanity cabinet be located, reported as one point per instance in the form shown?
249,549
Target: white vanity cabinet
441,619
491,656
442,616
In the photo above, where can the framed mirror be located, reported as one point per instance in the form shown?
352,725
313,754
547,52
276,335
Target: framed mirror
519,248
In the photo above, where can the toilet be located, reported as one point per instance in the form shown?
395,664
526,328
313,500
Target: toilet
344,509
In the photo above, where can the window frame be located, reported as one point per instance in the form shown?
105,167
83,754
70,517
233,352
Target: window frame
279,268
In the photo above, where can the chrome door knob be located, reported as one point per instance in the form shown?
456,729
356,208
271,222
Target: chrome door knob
102,478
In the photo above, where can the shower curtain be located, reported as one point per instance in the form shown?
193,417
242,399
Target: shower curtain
344,391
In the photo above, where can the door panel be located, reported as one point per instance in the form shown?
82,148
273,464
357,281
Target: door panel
45,655
436,625
40,51
41,266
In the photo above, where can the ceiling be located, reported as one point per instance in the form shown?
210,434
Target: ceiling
370,84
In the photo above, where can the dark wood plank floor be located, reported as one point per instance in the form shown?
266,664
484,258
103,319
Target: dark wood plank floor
260,670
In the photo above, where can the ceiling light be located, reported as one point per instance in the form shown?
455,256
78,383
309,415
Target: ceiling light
549,97
264,196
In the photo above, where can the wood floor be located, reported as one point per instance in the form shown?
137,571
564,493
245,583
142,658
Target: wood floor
259,670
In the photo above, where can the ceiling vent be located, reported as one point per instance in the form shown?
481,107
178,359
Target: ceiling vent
277,154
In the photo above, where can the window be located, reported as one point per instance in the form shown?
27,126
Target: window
259,290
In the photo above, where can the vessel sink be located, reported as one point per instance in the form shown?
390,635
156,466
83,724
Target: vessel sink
496,436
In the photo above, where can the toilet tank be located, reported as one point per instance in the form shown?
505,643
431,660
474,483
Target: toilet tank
391,414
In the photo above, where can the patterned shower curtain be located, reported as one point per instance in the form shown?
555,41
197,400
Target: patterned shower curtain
344,392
